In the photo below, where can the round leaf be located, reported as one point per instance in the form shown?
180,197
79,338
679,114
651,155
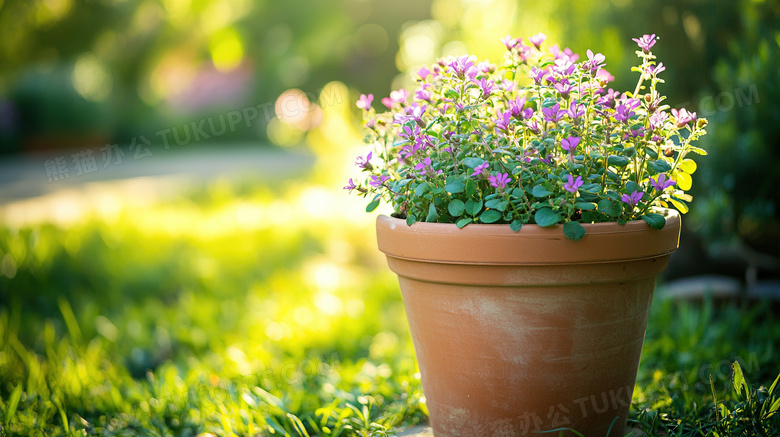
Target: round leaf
546,217
656,221
456,208
573,231
490,216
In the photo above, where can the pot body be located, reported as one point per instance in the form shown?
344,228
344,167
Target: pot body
522,332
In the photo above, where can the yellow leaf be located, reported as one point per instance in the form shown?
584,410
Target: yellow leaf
683,180
688,166
683,208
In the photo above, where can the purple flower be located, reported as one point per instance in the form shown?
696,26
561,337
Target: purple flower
414,113
516,106
423,94
350,185
570,144
661,182
594,62
486,67
657,69
563,54
533,125
365,101
409,133
508,85
509,42
364,162
487,87
564,67
657,119
683,117
479,169
499,180
396,97
537,40
564,87
573,185
461,65
576,111
424,167
553,114
603,76
608,99
377,181
623,113
504,120
646,42
636,133
538,75
633,198
423,73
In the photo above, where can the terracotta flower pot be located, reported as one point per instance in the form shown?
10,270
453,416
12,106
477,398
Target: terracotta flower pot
529,331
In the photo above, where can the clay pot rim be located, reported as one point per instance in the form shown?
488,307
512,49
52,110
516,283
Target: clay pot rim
532,245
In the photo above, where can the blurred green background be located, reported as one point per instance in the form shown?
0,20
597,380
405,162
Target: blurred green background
257,302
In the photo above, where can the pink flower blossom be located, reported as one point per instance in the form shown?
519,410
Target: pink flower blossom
364,102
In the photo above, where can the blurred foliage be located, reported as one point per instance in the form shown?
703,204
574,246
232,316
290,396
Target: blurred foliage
238,309
126,68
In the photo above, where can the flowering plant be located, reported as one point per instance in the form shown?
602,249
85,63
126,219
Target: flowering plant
481,143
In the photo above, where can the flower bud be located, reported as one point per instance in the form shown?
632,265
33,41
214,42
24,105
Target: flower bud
648,98
669,152
701,123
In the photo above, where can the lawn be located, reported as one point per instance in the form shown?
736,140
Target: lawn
237,308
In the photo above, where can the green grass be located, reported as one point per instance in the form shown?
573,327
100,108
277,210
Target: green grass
229,311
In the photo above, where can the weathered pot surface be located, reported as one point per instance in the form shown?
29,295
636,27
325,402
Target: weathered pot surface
529,331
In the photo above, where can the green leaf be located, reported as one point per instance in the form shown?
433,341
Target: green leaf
585,206
297,425
473,207
411,219
618,161
772,387
454,185
739,382
516,225
540,191
609,208
473,162
498,204
452,94
651,153
573,231
656,221
632,186
421,189
471,187
590,188
432,214
462,222
372,206
456,208
658,166
13,402
546,217
490,216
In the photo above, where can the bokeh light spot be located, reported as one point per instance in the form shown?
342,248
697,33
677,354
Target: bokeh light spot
227,50
91,78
